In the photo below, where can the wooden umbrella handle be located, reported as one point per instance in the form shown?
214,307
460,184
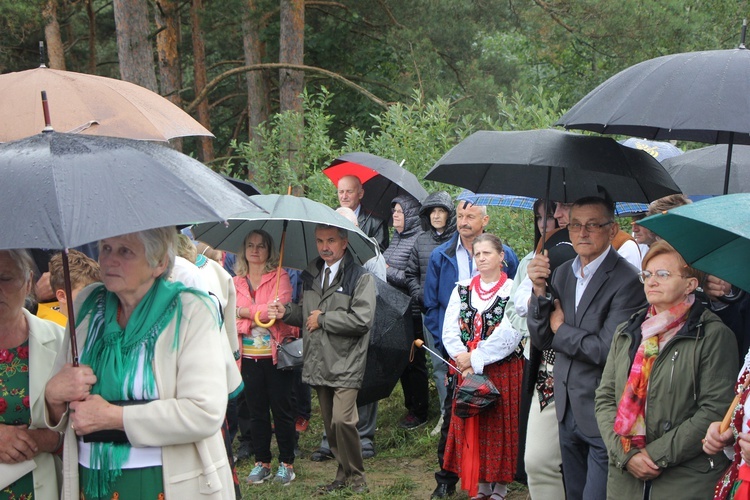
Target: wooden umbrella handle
728,417
278,280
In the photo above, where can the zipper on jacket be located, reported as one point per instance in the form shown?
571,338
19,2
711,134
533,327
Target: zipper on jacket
671,373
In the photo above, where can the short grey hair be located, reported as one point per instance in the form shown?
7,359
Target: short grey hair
343,233
467,203
160,244
23,261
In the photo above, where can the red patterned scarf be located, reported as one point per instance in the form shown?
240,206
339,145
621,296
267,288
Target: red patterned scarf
631,411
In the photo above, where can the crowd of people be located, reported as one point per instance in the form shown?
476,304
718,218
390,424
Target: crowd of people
611,361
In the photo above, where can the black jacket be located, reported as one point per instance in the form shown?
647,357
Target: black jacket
419,257
397,253
374,227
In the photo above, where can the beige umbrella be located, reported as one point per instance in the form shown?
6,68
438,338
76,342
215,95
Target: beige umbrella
88,104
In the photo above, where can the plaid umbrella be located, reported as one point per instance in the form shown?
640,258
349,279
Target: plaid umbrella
475,394
622,208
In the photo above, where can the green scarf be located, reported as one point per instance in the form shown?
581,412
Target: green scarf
113,354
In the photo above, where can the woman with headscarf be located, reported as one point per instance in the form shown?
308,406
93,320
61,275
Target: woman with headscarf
143,411
28,347
414,379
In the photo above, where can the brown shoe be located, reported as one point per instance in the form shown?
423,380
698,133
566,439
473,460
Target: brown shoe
330,488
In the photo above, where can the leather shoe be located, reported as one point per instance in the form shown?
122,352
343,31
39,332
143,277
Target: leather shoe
321,455
444,491
331,487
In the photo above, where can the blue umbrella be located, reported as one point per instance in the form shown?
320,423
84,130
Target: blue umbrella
622,208
658,149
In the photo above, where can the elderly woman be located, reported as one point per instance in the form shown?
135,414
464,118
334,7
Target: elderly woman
668,375
28,346
480,339
266,388
414,379
151,376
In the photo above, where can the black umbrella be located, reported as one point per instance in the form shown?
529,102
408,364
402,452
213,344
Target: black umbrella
390,342
382,180
552,164
64,190
691,96
701,171
246,187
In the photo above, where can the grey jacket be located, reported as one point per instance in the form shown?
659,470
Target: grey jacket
335,354
397,253
581,344
691,385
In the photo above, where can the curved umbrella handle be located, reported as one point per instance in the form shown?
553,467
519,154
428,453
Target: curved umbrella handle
260,323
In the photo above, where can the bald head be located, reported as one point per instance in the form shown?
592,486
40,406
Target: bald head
349,214
350,192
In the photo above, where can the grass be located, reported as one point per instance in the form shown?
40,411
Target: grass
403,468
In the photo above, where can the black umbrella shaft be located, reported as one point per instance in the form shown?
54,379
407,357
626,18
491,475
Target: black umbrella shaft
729,162
71,314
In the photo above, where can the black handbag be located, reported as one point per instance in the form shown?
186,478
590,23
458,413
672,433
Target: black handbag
113,435
289,354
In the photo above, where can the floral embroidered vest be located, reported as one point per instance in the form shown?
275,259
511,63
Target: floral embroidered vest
483,325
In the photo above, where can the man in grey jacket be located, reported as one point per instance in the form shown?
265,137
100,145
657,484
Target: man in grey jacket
336,314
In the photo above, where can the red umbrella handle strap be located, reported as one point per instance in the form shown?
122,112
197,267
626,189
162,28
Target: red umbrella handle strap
278,280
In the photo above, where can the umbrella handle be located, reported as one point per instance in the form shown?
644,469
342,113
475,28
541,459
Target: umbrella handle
278,279
420,343
728,417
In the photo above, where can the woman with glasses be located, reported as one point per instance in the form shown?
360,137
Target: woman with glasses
415,378
669,374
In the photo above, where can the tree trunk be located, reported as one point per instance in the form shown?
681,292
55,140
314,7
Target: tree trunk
167,52
257,91
206,147
134,49
291,50
92,36
55,49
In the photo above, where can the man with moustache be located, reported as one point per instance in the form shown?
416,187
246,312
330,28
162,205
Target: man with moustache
576,316
350,193
336,314
451,262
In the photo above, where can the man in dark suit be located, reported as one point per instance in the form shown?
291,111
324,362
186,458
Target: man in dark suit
576,317
350,193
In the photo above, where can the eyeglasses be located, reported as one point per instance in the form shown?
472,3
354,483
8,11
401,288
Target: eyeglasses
591,227
396,211
661,275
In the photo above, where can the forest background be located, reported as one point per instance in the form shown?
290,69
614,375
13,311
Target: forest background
288,85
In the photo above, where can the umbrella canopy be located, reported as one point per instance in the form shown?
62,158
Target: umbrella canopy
246,187
658,149
701,172
691,96
622,208
712,235
88,104
296,216
381,178
64,190
390,341
554,165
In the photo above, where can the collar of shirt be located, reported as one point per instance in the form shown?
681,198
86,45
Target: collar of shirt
583,274
334,271
357,210
466,267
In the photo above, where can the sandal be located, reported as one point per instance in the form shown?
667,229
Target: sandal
496,496
481,496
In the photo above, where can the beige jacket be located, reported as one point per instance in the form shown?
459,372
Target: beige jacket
186,421
45,340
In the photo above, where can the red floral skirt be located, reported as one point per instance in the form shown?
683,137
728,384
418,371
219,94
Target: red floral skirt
498,427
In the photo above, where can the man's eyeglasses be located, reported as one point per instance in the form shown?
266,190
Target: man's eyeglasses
591,227
661,275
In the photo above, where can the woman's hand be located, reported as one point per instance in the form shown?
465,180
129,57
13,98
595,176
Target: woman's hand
463,361
69,384
642,467
95,414
467,372
16,444
716,441
275,310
